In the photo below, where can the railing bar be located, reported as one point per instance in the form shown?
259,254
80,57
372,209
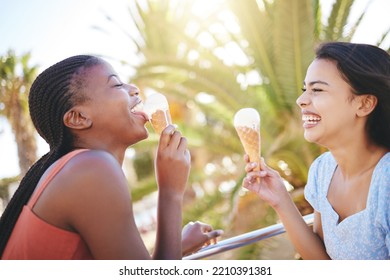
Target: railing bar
243,239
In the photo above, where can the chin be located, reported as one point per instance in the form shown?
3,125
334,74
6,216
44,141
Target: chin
144,135
138,137
314,140
310,137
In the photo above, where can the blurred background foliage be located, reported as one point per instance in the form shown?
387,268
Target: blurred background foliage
210,62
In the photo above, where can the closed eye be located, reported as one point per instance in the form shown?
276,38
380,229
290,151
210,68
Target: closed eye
313,91
316,89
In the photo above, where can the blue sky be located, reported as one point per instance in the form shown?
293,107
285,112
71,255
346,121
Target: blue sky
55,29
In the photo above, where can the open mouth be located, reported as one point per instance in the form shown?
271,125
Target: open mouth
311,119
138,107
138,110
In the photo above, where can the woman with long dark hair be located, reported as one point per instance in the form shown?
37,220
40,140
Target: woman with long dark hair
345,107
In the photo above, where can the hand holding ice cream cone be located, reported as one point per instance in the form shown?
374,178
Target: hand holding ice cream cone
247,125
157,108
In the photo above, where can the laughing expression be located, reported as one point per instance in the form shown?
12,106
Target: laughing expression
327,106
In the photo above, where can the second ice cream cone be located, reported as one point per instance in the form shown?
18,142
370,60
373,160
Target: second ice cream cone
247,124
250,139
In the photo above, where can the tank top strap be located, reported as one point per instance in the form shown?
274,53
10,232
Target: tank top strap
54,170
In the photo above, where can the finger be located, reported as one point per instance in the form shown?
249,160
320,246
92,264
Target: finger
212,236
253,175
166,135
248,182
264,166
215,233
175,140
269,171
253,178
187,154
182,145
203,226
250,166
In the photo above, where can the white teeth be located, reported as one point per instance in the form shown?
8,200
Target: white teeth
311,119
138,107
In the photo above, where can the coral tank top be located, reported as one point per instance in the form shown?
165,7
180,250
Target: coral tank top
34,239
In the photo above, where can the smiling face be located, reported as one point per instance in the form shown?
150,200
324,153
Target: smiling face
110,107
329,110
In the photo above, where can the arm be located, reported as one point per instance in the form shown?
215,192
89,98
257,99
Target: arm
270,188
308,244
172,171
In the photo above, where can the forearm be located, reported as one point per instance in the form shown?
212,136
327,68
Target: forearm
307,243
169,225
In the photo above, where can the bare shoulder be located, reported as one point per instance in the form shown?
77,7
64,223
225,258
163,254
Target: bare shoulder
96,173
94,167
92,161
89,182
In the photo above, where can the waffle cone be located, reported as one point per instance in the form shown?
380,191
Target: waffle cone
250,139
160,120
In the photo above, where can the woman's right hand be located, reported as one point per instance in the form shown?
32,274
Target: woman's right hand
195,235
173,161
266,183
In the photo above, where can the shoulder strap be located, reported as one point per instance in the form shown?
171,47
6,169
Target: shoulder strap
54,170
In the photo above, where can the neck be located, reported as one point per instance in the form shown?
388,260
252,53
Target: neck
357,158
117,152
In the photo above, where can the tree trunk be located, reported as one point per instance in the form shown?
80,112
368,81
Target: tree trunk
24,135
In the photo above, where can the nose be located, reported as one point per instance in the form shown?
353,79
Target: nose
303,100
133,90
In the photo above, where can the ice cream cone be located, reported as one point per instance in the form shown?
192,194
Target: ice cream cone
157,108
160,119
247,125
250,139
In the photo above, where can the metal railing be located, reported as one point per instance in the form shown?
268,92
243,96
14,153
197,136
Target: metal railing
243,240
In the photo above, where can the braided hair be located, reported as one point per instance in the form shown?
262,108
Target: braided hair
55,91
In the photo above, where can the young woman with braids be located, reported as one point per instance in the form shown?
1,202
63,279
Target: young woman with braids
74,202
345,107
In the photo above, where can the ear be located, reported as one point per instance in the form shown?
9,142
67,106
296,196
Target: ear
76,119
367,104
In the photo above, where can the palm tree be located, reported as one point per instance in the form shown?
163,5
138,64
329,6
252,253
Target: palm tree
16,77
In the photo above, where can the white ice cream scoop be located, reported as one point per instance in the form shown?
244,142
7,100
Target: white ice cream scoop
154,102
247,117
157,108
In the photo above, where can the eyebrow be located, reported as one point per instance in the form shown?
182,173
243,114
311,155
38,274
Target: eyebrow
316,82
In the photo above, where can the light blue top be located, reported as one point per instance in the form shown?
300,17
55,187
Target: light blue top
364,235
